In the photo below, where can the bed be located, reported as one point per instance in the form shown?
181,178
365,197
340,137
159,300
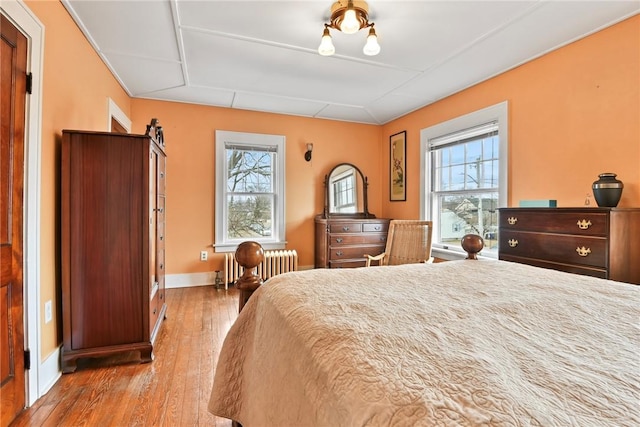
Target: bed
460,343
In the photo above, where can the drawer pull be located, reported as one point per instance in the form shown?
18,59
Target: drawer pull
377,228
339,253
512,220
513,243
582,251
584,224
339,240
345,228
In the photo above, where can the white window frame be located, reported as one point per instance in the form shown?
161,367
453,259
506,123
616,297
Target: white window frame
499,113
277,240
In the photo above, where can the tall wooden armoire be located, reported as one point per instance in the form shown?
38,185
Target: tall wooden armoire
112,233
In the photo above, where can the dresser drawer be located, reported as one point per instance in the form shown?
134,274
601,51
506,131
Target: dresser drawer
375,227
578,250
350,252
576,269
549,221
345,227
357,239
352,263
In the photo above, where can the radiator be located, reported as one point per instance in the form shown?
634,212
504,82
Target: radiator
274,263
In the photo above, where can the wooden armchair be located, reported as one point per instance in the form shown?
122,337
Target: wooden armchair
408,242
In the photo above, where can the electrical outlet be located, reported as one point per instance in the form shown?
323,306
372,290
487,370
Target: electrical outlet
204,255
48,315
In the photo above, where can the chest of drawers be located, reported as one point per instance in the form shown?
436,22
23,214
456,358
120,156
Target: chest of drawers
600,242
343,242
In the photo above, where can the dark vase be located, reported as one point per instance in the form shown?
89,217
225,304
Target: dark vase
607,190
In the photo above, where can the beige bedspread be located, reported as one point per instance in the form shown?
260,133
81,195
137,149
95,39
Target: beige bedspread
483,343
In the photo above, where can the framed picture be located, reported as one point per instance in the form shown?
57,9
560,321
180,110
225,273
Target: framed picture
398,167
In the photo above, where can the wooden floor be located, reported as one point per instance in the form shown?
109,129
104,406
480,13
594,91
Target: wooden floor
173,390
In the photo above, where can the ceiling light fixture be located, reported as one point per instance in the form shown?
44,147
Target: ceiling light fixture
349,17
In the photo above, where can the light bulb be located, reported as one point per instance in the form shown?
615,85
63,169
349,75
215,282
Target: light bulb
350,24
326,47
372,47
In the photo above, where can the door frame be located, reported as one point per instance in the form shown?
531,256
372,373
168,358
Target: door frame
38,380
118,115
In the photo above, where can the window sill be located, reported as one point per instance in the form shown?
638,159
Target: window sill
231,247
451,255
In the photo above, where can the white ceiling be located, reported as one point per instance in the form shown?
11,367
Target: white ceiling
262,55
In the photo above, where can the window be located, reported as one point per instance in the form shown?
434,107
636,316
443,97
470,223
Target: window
249,190
464,177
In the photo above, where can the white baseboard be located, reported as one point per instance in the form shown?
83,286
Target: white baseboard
49,372
187,280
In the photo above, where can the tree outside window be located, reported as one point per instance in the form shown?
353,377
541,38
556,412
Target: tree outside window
249,193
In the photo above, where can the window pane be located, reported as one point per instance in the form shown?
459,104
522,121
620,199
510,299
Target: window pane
442,180
446,159
249,216
457,176
489,173
474,165
473,150
250,171
457,154
461,214
490,147
471,177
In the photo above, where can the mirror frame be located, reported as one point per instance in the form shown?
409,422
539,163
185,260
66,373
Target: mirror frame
365,184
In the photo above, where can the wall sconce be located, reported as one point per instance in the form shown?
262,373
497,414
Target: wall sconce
307,155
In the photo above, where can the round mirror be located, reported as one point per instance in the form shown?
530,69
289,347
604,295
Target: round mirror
346,192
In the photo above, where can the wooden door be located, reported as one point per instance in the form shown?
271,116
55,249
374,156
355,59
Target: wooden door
13,61
116,127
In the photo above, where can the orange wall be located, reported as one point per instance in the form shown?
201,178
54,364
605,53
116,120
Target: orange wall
76,88
76,85
573,113
189,134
